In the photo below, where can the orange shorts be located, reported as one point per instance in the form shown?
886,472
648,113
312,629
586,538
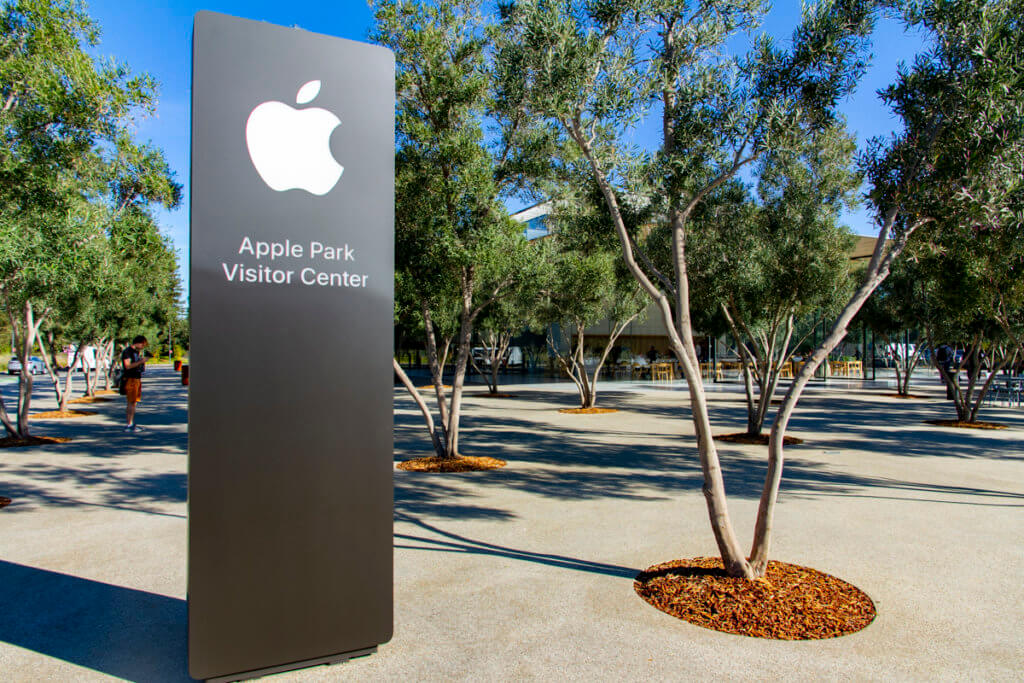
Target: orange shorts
133,389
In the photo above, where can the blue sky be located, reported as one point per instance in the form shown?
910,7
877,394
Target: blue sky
155,36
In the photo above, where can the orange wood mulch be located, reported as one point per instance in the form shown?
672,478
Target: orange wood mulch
12,442
106,392
91,399
756,440
4,502
430,387
61,414
487,394
909,396
789,603
462,463
587,411
966,425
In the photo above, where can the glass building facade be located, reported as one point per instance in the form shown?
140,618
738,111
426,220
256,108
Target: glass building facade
535,227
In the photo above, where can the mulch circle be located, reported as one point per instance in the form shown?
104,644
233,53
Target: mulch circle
909,396
758,440
587,411
62,414
12,442
91,399
461,463
430,387
4,501
790,602
490,395
966,425
106,392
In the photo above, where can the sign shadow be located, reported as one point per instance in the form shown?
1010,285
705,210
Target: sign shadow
123,632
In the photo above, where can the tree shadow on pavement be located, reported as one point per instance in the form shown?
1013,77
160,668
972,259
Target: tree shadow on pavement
455,543
608,459
122,632
419,493
164,410
102,485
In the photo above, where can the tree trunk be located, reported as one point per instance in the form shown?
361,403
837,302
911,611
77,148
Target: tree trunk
25,381
681,338
427,417
985,388
590,400
436,367
461,363
764,365
109,364
49,354
496,344
503,340
910,362
94,376
876,272
492,384
69,377
5,419
569,365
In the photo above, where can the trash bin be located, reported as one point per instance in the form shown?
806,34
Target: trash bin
184,375
177,366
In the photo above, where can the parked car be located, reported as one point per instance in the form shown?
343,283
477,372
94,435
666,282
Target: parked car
36,366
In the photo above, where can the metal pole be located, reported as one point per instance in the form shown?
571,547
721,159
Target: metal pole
714,359
863,350
873,368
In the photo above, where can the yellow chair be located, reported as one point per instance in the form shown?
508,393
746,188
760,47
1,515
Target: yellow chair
662,371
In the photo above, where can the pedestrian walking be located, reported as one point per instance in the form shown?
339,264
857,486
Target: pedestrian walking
133,364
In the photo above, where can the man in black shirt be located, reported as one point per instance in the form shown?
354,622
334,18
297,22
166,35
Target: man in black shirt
134,364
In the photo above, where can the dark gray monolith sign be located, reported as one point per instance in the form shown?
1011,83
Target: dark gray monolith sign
290,404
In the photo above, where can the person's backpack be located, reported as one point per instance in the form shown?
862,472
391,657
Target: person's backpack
944,354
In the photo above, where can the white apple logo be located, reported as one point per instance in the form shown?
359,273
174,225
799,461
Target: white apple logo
290,148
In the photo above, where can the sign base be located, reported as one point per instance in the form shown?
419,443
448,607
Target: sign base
339,658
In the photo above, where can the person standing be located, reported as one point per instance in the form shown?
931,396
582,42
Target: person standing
652,354
134,364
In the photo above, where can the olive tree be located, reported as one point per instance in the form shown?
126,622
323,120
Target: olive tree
63,110
592,69
459,247
587,285
768,263
899,307
510,315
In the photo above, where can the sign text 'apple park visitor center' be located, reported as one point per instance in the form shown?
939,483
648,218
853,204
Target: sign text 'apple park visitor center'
290,398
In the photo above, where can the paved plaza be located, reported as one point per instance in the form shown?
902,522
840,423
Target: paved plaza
527,572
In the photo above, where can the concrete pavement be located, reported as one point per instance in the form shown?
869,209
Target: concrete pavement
526,572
